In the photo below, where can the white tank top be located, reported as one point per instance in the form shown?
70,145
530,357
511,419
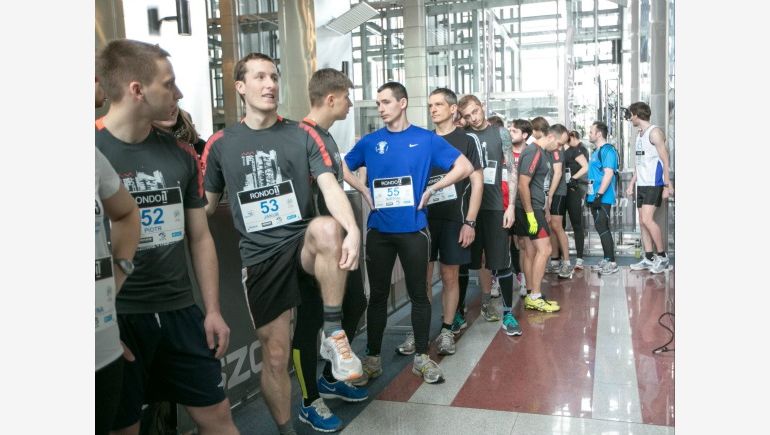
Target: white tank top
649,167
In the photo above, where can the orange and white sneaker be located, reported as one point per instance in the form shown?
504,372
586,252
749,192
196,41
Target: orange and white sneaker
345,364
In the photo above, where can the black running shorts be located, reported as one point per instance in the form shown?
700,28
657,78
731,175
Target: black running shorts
444,247
492,239
522,225
559,205
649,195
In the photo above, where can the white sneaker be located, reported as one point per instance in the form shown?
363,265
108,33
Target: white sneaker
600,265
659,264
644,264
345,364
579,264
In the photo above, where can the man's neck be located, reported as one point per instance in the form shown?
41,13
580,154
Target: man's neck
518,146
126,126
601,142
484,125
398,125
643,125
321,118
445,127
258,120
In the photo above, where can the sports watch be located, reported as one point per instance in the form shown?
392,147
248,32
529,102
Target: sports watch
471,224
127,266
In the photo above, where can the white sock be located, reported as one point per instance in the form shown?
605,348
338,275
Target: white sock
534,296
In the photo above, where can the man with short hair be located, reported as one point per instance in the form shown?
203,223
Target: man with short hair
521,132
329,102
492,240
531,225
398,159
576,164
601,193
539,129
175,346
555,209
651,177
267,163
451,216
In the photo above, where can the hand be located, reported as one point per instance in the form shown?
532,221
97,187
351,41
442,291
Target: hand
425,198
368,199
667,192
467,236
572,184
597,200
548,215
508,217
350,249
630,190
127,354
215,327
532,222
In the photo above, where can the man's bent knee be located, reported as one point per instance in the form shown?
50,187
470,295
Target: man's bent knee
214,419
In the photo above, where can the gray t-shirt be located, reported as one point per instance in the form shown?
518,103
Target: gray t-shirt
268,176
490,149
107,340
556,157
165,178
324,139
532,163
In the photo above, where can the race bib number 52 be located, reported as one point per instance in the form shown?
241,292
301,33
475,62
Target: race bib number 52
161,216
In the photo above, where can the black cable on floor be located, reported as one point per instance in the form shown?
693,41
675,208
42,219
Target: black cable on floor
665,348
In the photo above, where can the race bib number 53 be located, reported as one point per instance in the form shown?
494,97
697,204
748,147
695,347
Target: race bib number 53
269,207
161,215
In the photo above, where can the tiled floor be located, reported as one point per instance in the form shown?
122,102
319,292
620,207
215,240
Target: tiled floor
588,369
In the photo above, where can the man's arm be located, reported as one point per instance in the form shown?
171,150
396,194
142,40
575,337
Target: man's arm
508,216
204,260
630,188
342,212
461,168
124,232
658,139
557,167
467,233
524,193
357,184
581,159
606,179
213,202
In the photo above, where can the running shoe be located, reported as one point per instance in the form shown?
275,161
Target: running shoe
445,342
319,417
659,264
598,267
495,287
341,390
642,265
372,366
345,364
540,304
459,323
489,312
425,367
362,381
552,267
609,268
579,264
510,325
407,347
565,271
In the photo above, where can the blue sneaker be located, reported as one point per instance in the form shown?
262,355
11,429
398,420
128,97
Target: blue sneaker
319,417
458,324
341,390
510,325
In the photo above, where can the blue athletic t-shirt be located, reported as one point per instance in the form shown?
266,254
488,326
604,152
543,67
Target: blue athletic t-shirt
397,167
609,159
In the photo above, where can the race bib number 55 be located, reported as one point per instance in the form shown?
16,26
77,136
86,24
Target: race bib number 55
161,215
269,207
393,192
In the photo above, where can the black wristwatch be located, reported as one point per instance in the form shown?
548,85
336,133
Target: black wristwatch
471,224
127,266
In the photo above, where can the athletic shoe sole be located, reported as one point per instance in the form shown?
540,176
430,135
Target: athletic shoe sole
307,422
419,373
341,397
565,277
404,352
511,334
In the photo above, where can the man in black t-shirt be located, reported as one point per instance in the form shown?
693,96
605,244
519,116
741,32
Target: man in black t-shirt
175,346
576,173
267,163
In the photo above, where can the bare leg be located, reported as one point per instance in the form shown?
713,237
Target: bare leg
451,294
541,254
321,255
650,229
214,419
275,383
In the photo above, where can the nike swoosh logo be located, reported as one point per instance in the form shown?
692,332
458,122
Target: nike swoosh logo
412,145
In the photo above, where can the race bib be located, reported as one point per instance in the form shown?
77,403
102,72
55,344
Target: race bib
490,172
269,207
505,174
393,192
105,294
446,194
567,175
590,190
161,215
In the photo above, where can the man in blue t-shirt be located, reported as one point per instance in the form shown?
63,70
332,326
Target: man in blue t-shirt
601,193
398,159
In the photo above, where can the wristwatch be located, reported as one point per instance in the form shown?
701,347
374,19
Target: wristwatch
471,224
127,266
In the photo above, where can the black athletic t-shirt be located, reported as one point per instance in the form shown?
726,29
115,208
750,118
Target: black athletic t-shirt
455,209
532,163
268,174
164,177
490,148
570,158
325,139
557,157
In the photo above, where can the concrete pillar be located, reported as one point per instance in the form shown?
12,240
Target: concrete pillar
415,62
658,76
228,20
296,27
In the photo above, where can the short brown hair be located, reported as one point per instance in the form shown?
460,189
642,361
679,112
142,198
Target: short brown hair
398,90
123,61
540,124
240,67
467,99
640,109
324,82
523,125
